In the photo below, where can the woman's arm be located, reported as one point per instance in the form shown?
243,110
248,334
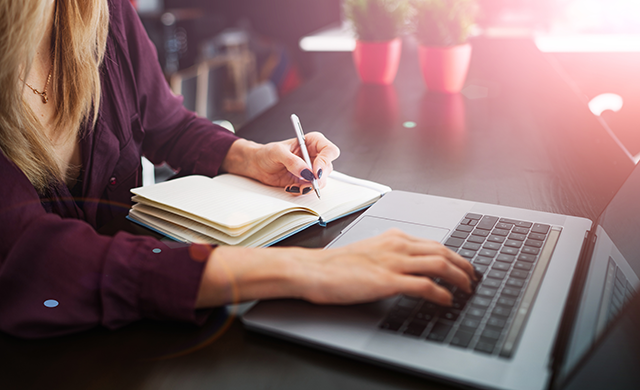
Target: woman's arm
377,268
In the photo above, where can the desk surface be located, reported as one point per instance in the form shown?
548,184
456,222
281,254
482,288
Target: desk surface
517,136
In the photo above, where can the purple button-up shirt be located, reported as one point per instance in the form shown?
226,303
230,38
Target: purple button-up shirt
57,275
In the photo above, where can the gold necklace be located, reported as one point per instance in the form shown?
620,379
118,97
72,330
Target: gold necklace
42,94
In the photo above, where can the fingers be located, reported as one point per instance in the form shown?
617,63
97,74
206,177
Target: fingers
425,288
298,189
419,247
437,266
322,152
417,256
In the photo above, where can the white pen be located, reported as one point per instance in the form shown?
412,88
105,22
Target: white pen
297,126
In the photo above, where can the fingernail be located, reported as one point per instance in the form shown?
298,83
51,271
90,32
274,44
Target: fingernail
306,190
293,189
319,173
307,175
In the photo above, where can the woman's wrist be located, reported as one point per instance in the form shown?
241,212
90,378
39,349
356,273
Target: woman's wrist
239,158
234,274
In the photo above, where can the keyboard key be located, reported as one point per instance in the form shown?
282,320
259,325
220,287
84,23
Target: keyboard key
533,243
408,303
416,328
502,311
530,250
511,291
537,236
540,228
506,301
527,258
509,251
466,253
458,305
473,216
464,228
521,230
517,236
461,339
524,224
520,274
472,246
450,315
505,258
391,325
482,260
513,243
501,266
487,222
509,221
492,245
485,345
504,225
496,274
480,232
487,253
475,312
459,234
500,232
473,222
480,268
494,238
454,242
496,322
492,283
523,266
481,302
465,221
440,331
486,292
491,334
476,239
515,283
427,316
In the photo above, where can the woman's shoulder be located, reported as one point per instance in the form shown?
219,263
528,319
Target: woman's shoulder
123,19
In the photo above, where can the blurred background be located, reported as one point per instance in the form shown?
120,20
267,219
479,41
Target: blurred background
232,59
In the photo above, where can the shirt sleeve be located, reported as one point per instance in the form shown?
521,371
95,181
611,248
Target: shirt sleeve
58,276
172,134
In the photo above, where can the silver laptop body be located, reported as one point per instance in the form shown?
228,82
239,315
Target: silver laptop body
523,357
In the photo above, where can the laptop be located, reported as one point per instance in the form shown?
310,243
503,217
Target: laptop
552,285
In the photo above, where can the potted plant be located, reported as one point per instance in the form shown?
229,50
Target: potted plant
378,25
442,28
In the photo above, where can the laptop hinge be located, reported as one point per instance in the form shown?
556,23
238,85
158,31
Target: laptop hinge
571,307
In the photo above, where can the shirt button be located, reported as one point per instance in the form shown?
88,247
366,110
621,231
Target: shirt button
113,180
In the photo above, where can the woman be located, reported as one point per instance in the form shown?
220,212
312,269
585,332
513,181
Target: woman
82,99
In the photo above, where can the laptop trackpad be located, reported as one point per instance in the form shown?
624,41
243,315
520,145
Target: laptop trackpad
370,226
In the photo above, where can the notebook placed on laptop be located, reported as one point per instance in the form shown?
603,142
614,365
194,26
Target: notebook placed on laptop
551,285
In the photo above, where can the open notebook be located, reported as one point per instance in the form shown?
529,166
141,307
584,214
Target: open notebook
235,210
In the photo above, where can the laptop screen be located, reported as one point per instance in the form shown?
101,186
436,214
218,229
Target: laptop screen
612,277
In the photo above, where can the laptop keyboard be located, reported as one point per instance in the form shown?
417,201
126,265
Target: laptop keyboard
506,253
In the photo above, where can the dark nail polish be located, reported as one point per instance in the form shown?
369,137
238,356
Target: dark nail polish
306,190
307,175
319,173
293,189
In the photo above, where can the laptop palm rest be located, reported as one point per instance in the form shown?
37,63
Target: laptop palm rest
369,226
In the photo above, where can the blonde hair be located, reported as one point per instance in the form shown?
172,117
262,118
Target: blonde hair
79,38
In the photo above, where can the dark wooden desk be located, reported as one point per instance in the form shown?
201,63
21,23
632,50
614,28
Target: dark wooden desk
519,136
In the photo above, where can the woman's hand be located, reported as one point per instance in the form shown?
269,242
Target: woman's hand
380,267
280,164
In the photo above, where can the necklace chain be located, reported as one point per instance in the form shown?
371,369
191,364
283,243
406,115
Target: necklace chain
42,94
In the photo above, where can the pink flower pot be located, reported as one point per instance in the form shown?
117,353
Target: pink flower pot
377,62
444,69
